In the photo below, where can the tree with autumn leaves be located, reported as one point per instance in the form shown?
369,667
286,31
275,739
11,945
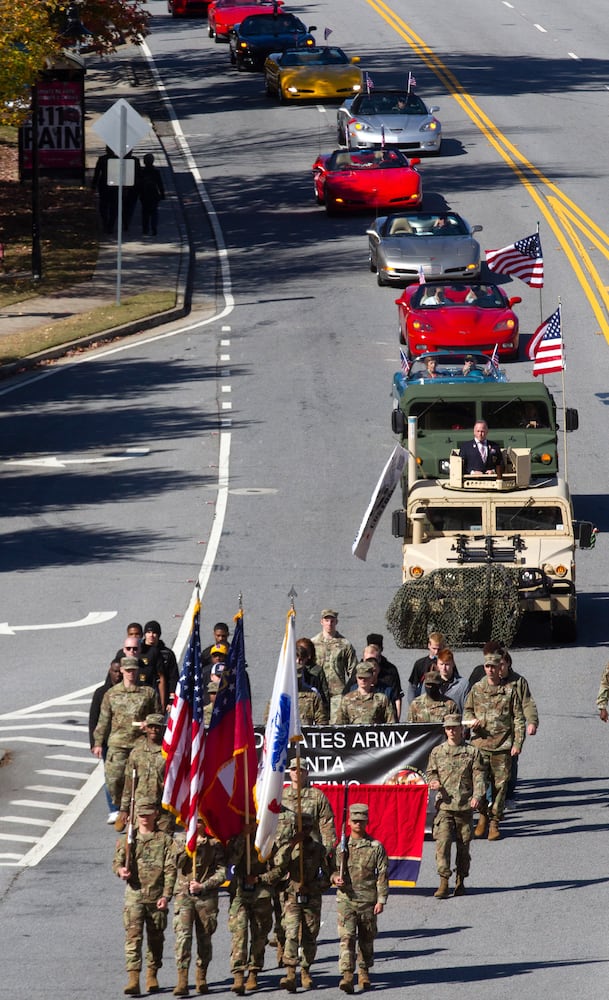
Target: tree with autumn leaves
32,35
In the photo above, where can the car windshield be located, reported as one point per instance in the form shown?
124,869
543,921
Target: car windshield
458,296
314,57
389,103
422,224
364,159
430,366
271,24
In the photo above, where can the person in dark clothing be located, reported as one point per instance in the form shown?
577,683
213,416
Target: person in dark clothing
221,634
388,672
422,666
112,677
107,195
151,192
160,664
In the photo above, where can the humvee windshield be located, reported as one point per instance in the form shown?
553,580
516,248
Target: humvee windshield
530,519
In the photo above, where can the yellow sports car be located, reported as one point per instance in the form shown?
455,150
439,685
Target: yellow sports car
315,73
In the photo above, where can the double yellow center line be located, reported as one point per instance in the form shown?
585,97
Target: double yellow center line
570,225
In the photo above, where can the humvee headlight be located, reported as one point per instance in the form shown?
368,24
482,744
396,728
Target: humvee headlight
545,459
416,572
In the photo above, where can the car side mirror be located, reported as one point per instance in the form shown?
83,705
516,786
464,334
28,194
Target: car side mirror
477,229
433,108
373,233
571,418
355,59
312,27
585,534
415,160
514,301
398,424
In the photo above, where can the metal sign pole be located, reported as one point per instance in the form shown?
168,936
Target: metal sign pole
122,146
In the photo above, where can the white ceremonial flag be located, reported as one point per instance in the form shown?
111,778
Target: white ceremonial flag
383,492
282,729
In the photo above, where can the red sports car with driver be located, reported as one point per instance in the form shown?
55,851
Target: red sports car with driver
458,316
223,15
351,180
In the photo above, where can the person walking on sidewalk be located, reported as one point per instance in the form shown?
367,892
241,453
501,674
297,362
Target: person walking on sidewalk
151,192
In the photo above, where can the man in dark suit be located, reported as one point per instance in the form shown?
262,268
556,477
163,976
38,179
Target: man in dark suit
481,457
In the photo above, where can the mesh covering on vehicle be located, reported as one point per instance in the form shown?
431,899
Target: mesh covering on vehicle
469,606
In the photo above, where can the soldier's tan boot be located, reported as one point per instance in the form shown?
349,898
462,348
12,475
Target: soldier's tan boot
280,954
288,982
346,983
252,981
152,983
459,886
493,830
363,979
238,986
442,890
305,980
201,980
181,989
132,989
481,825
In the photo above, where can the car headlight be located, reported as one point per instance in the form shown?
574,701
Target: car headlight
504,324
420,327
357,86
362,127
431,126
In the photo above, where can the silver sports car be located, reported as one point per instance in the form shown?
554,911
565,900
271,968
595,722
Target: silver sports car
389,117
417,246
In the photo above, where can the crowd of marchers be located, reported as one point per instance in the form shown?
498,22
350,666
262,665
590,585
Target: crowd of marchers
485,717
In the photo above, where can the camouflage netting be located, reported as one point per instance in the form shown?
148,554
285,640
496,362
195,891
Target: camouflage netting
469,606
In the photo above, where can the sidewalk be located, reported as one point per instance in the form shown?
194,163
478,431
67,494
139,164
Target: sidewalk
160,262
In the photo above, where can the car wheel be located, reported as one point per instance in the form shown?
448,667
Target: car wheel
436,152
232,57
240,66
330,208
267,87
210,31
372,265
280,94
401,338
380,280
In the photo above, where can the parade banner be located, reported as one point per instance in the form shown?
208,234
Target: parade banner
384,767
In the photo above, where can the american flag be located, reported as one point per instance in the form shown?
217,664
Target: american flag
405,363
183,740
421,275
411,82
327,33
523,259
495,356
368,82
546,350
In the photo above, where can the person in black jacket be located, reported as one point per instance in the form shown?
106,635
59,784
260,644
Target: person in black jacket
481,457
151,192
160,662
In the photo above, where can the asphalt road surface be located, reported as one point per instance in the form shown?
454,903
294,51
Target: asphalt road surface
244,448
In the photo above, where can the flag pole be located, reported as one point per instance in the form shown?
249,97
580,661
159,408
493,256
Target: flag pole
292,594
564,394
540,291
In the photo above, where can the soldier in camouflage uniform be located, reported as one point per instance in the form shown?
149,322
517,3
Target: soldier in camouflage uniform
493,712
121,707
335,656
362,888
212,692
147,760
456,772
251,909
365,706
196,904
306,881
603,696
150,874
432,706
314,802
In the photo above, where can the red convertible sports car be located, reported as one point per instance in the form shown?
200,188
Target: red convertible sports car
350,180
223,15
458,316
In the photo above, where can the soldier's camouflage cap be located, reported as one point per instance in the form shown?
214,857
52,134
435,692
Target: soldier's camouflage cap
129,663
432,677
454,719
212,687
147,808
155,719
364,669
492,659
328,613
358,811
